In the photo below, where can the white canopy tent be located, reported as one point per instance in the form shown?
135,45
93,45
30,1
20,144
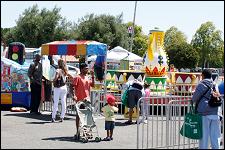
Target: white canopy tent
118,53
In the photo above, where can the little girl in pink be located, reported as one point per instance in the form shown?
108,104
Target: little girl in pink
147,94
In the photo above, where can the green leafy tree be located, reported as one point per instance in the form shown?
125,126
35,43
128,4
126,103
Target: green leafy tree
35,27
183,56
174,37
7,35
173,40
4,31
209,44
103,28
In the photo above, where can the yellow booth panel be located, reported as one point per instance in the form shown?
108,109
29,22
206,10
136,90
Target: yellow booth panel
44,50
6,98
81,49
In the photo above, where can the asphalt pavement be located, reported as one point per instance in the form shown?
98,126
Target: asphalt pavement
22,130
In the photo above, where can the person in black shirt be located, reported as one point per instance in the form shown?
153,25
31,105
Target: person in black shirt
35,75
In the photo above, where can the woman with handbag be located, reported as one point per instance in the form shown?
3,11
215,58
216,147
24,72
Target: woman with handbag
210,115
60,89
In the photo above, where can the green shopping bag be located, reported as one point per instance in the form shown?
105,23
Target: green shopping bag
125,97
192,126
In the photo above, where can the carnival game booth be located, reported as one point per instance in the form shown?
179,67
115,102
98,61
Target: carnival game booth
115,82
81,48
15,85
185,83
122,66
119,59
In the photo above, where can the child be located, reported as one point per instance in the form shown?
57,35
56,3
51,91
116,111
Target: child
108,111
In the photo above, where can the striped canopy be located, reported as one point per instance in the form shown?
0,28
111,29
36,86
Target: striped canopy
75,48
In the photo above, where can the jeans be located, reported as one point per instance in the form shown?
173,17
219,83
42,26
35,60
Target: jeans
210,128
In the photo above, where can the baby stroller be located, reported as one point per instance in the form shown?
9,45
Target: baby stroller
87,123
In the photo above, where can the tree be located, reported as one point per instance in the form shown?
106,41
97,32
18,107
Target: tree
173,41
183,56
36,27
103,28
140,42
209,44
7,35
174,37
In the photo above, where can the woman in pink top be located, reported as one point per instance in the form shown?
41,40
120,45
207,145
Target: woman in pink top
82,86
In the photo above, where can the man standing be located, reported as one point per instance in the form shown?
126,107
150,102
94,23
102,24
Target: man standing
210,115
35,75
82,86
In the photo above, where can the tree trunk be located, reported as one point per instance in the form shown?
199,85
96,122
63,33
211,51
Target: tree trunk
204,64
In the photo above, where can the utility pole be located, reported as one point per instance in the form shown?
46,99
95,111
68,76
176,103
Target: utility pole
132,35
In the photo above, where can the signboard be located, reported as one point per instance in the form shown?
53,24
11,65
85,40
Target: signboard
130,30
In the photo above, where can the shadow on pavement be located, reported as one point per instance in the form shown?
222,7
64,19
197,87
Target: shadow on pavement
38,122
68,139
43,117
120,124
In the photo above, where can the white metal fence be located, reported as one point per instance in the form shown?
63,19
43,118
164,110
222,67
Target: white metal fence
160,122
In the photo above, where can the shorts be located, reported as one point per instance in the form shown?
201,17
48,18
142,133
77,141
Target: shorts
133,97
109,125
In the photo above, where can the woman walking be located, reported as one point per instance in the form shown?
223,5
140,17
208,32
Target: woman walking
60,89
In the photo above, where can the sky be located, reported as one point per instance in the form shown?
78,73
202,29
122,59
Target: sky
187,16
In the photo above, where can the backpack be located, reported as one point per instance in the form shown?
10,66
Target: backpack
59,82
214,101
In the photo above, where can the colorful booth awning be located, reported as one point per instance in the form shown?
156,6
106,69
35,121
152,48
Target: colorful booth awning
75,48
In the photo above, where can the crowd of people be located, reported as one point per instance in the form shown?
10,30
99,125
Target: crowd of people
211,116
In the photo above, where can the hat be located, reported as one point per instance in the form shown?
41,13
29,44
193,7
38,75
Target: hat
110,99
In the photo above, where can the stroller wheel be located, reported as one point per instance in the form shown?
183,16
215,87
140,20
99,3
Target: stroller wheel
89,136
84,140
97,139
